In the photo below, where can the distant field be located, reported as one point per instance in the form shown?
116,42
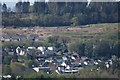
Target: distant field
84,31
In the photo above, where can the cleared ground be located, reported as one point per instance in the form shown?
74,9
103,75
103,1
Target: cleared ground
85,31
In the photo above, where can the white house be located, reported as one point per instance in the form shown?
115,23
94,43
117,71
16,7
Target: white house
20,51
36,69
7,76
41,48
51,48
48,50
31,48
85,63
64,64
107,65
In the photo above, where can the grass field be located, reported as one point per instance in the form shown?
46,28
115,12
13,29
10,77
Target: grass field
84,31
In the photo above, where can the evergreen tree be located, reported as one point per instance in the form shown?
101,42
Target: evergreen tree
26,6
18,7
39,7
4,7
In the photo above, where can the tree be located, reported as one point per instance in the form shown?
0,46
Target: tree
18,7
30,63
15,57
115,49
61,14
77,47
53,8
6,70
7,60
39,7
75,21
0,7
4,7
17,68
49,39
25,6
89,48
102,49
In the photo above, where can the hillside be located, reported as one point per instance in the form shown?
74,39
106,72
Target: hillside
93,31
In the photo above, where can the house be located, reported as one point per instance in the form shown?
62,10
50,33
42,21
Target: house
18,49
41,59
110,62
61,68
38,53
69,71
96,63
85,63
36,69
51,48
91,63
63,64
6,76
59,60
21,51
76,65
10,53
42,49
44,69
83,58
31,48
64,58
75,55
50,60
72,57
47,51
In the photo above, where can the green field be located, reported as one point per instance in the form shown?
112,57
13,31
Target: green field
97,31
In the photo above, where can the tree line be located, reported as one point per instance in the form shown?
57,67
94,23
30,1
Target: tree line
60,13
